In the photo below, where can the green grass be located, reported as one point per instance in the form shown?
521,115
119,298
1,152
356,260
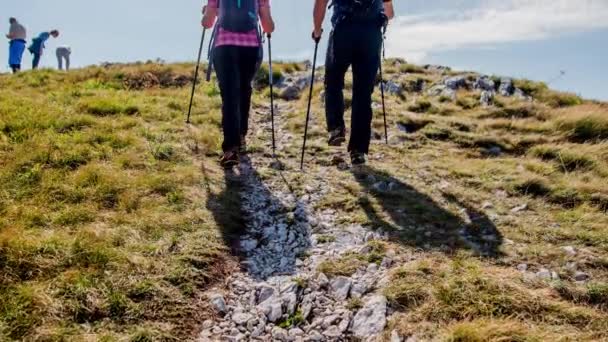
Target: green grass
101,215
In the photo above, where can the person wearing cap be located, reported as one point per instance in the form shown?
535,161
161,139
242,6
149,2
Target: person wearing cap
38,46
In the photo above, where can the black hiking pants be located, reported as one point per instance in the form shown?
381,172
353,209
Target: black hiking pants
357,45
235,67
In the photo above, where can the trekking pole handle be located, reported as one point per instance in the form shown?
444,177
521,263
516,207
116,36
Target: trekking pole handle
316,39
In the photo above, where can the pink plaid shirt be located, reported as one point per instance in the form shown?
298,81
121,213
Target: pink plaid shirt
224,37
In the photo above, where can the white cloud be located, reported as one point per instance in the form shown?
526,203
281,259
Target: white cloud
492,22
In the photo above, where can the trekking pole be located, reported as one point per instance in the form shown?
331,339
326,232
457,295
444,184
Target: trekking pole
382,86
198,63
271,78
312,81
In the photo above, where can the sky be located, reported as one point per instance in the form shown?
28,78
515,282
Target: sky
535,39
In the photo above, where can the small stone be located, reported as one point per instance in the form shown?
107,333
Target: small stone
569,250
290,301
387,262
279,334
218,303
241,318
520,208
487,205
487,98
296,332
372,268
340,287
395,336
371,319
276,312
329,320
494,151
544,274
257,332
332,332
265,292
581,276
306,306
315,336
345,323
208,324
252,324
322,280
522,267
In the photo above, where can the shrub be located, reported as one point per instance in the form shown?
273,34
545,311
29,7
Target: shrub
262,78
411,68
105,107
467,102
420,106
585,128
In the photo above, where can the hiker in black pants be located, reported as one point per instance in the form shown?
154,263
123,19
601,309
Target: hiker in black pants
356,40
236,56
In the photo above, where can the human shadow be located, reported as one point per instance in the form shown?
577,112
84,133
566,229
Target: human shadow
418,220
267,233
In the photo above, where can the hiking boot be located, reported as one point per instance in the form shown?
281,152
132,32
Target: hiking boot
357,158
337,137
229,159
243,145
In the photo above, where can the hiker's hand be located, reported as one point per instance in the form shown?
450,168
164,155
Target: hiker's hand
316,34
266,20
209,16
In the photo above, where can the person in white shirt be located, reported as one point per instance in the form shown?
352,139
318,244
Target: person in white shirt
63,53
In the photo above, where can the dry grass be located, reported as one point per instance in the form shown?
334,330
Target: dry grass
104,225
101,223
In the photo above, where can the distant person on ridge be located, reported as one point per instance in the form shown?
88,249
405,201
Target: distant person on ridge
38,46
63,54
356,40
236,56
17,36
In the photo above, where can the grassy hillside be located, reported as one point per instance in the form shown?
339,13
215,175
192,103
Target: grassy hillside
103,227
107,231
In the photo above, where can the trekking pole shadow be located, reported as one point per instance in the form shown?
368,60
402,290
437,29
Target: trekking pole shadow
195,80
312,82
415,219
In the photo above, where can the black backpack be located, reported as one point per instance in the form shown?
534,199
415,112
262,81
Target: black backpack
357,10
238,15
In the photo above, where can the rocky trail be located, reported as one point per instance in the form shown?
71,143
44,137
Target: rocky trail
278,295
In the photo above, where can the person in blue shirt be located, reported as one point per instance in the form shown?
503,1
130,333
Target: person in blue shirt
38,45
16,36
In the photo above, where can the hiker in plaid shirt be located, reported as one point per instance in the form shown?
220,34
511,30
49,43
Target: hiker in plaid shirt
236,56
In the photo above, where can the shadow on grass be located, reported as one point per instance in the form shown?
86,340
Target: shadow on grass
417,220
266,234
226,207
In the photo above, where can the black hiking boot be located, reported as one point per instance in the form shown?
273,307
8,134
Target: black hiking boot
337,137
229,159
357,158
